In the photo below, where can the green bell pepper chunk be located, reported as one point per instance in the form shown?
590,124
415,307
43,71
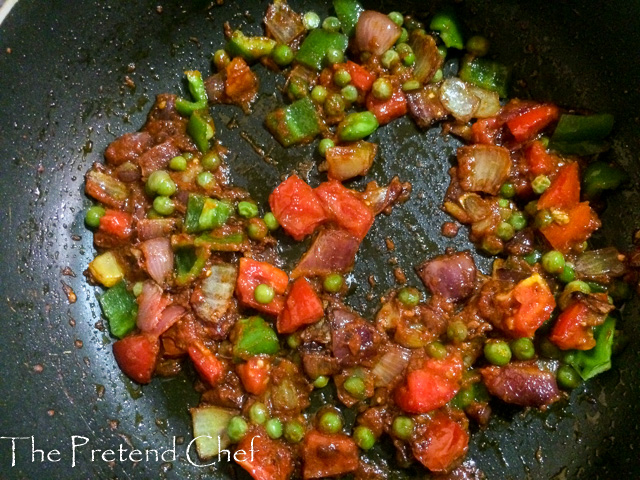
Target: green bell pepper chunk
253,336
348,12
313,51
296,123
198,92
215,213
120,308
221,243
589,363
189,263
601,176
486,74
581,134
194,210
446,23
201,129
249,48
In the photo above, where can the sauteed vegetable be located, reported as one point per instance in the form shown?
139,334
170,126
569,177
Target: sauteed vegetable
192,273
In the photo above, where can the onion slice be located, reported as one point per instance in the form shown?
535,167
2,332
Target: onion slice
605,261
428,59
391,365
483,168
376,32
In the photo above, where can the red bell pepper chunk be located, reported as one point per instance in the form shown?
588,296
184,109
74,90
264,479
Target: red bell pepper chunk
574,328
361,78
564,191
252,273
206,364
345,208
536,303
328,455
264,458
254,375
137,356
296,207
444,443
526,125
117,223
387,110
583,221
302,307
539,161
486,130
431,386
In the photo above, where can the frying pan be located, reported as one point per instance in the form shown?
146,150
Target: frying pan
63,98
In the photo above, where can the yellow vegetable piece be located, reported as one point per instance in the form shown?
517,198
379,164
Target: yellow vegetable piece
106,269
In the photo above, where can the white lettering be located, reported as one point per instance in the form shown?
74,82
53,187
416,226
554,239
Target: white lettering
52,454
13,446
34,450
172,451
75,445
190,460
135,452
108,452
238,453
155,452
252,448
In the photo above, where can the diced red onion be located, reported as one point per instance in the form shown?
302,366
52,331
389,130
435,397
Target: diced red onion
458,99
376,32
282,23
451,277
151,304
428,59
425,106
483,168
391,365
606,261
211,299
158,258
106,189
332,251
169,316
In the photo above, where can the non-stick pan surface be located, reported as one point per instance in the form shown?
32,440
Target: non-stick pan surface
63,98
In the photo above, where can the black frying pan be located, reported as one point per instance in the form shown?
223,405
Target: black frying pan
63,99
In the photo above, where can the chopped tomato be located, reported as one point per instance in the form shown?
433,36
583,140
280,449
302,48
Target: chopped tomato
264,458
539,161
536,303
206,364
564,191
526,125
254,374
117,223
296,207
252,273
431,386
361,78
443,444
583,221
240,81
486,130
345,208
302,307
387,110
137,356
574,327
328,455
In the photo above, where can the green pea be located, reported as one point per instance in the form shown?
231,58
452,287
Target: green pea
334,105
257,229
497,352
397,18
221,59
237,429
159,182
341,78
206,180
350,93
311,20
324,145
540,184
548,349
334,56
294,431
93,216
179,163
505,231
364,437
464,398
282,55
553,261
293,341
596,287
409,297
438,76
247,209
567,377
409,59
543,218
442,50
137,288
298,88
390,58
518,221
531,208
333,282
331,24
507,190
270,221
437,350
568,274
319,94
523,348
504,203
411,85
382,88
163,205
457,332
321,382
258,413
357,126
478,46
273,428
533,257
355,386
403,49
264,294
402,427
330,421
210,161
577,286
404,36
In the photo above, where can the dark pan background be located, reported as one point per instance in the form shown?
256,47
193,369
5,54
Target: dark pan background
63,99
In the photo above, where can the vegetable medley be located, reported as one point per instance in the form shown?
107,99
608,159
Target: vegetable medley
192,273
